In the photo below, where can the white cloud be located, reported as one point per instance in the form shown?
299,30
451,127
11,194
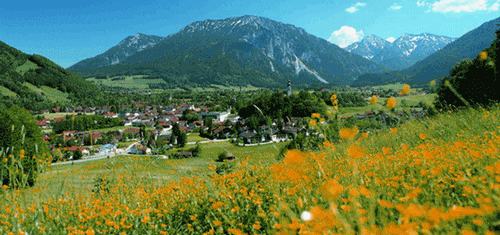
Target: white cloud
460,6
346,36
354,8
395,7
422,3
495,6
390,39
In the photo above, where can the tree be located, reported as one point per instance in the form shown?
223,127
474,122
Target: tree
77,155
20,138
190,116
181,140
196,150
178,137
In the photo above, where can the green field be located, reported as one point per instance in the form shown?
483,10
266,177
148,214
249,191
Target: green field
195,137
130,82
392,86
79,178
6,92
52,116
403,103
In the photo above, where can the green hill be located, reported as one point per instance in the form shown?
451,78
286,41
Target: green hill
34,82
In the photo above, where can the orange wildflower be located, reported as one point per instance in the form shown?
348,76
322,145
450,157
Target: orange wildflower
422,136
394,130
331,189
483,55
257,226
235,231
315,115
217,223
89,231
348,133
364,135
294,157
355,151
329,145
405,90
145,219
386,204
386,150
391,103
467,232
217,205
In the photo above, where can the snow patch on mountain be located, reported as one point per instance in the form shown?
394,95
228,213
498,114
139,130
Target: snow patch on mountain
401,53
300,66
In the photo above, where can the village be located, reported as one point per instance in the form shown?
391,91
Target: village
155,131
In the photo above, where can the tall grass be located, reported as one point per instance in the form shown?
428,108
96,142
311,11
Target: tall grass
439,175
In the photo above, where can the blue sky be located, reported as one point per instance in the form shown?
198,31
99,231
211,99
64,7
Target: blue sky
67,31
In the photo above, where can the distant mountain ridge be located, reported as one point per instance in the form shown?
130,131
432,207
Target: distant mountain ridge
441,62
403,52
125,48
247,50
438,65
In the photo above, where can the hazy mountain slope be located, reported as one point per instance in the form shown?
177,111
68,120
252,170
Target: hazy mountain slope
127,47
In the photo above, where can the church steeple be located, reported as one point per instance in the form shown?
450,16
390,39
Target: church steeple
289,88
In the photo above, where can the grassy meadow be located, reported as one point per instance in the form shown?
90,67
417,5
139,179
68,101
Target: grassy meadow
403,102
128,82
437,175
50,93
7,92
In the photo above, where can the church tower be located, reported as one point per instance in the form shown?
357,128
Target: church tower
289,88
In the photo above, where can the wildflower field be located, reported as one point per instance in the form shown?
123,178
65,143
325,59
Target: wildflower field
437,175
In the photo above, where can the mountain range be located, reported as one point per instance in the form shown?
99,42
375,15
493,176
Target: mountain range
251,50
402,53
247,50
127,47
438,65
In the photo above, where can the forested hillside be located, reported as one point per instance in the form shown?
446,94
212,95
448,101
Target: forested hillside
36,83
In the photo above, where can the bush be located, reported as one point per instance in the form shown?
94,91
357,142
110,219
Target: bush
225,156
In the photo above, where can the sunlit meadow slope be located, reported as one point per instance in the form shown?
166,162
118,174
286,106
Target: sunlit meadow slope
437,175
